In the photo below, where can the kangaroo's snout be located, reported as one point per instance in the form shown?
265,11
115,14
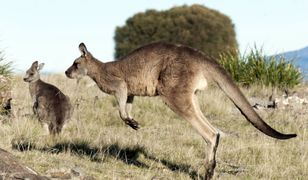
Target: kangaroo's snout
25,79
68,74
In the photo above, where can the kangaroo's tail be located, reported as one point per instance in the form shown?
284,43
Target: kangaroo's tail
225,82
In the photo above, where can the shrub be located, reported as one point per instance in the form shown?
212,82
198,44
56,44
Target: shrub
5,67
257,68
197,26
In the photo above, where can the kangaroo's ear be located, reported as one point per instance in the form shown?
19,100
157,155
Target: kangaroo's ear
34,65
40,66
83,49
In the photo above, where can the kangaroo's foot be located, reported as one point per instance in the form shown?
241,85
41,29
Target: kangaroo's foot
209,169
132,123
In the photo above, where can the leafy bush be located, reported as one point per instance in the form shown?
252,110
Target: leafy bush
257,68
197,26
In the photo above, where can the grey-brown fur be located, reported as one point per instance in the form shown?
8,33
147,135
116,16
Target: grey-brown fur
50,105
175,73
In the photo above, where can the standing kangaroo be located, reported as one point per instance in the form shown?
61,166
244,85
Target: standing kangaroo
175,73
51,106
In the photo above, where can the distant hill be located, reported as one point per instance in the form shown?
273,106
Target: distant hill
301,57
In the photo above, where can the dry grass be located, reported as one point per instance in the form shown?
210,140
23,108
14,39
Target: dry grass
166,147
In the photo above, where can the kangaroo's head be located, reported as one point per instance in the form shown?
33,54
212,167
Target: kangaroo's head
33,73
79,67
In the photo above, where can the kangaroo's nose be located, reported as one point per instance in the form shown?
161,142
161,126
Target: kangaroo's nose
66,72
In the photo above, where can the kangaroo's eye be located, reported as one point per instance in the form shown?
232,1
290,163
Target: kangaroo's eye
31,74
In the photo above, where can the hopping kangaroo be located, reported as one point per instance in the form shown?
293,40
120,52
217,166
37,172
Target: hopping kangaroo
175,73
51,106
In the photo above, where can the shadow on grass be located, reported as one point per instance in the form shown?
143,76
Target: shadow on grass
23,145
176,167
128,155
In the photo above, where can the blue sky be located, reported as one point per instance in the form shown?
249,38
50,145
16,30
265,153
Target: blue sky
50,31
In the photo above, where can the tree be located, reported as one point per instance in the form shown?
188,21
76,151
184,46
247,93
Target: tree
196,26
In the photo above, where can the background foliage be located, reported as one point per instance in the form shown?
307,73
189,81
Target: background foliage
5,67
197,26
255,68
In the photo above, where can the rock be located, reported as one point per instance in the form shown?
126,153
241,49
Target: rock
11,169
260,104
293,100
68,173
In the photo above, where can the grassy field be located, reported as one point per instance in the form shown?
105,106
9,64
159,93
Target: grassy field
166,146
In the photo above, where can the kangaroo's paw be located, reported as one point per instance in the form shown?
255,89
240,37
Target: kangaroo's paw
132,123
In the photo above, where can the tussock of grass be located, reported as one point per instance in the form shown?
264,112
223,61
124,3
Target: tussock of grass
255,68
5,66
166,146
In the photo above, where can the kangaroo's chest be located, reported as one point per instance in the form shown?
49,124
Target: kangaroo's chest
33,92
146,87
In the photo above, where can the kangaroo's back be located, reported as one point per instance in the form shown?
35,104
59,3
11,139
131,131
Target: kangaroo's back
155,64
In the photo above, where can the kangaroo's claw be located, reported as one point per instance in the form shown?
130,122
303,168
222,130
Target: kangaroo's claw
132,123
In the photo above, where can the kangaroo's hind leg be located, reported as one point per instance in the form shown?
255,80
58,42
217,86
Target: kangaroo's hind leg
186,106
211,161
129,106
